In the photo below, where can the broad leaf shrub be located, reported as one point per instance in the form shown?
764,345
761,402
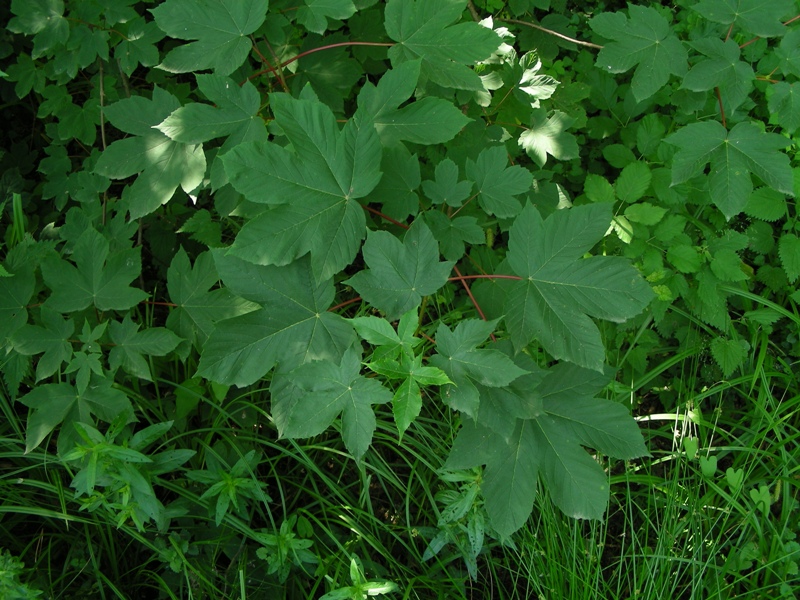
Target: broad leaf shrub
358,212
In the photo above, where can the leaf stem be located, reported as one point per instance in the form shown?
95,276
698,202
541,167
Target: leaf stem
721,109
755,39
385,217
555,33
466,277
345,303
313,50
475,303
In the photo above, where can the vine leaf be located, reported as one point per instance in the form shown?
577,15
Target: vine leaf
550,446
760,17
161,163
220,28
306,400
315,14
312,191
559,290
400,273
425,121
422,29
733,156
98,276
131,346
466,364
643,40
497,183
293,326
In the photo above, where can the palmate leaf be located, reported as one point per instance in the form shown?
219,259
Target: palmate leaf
44,19
311,191
550,446
423,29
724,69
306,400
733,156
643,40
497,183
547,135
293,326
220,28
784,105
559,290
53,339
759,17
131,346
315,14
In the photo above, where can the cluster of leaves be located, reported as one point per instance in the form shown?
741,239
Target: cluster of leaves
355,204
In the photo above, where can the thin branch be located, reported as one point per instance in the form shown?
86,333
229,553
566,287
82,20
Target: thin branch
721,109
551,32
467,277
472,298
345,303
755,39
473,11
385,217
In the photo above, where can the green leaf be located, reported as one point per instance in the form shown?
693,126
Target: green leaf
162,165
98,277
15,294
643,40
306,400
452,234
397,188
445,188
789,252
633,182
422,29
598,189
400,273
425,121
645,213
559,290
138,45
685,258
784,105
733,156
729,354
44,19
53,339
548,136
293,326
727,266
759,17
498,183
312,191
221,29
722,69
465,364
315,14
198,309
766,204
406,404
131,346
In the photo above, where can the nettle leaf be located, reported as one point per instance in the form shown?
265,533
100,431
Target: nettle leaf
162,164
729,354
733,156
559,290
311,191
131,346
760,17
400,273
44,19
306,400
789,252
722,69
784,105
465,364
766,204
98,277
445,187
198,309
643,40
425,121
53,340
293,326
315,14
220,28
423,29
497,183
547,135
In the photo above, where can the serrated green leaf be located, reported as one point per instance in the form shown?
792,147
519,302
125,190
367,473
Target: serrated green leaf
314,14
643,40
723,69
452,234
497,183
729,354
406,404
376,331
789,252
445,187
465,364
761,238
784,105
98,278
138,45
633,182
598,189
423,29
400,273
649,134
670,227
727,266
645,213
53,340
131,346
44,19
306,400
759,17
684,257
559,290
221,29
293,326
733,156
766,204
396,190
547,135
312,191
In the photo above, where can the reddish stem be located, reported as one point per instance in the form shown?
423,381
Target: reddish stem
466,277
385,217
721,109
471,297
328,47
345,303
755,39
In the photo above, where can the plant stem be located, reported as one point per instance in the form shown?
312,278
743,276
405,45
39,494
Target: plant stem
555,33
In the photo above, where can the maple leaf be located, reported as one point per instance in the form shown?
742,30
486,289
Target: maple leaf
400,273
396,190
312,191
550,446
293,326
548,136
733,156
422,29
643,40
315,14
722,69
452,234
53,340
162,164
445,187
559,290
131,346
220,28
98,276
138,45
760,17
44,19
306,400
784,105
465,364
497,183
15,294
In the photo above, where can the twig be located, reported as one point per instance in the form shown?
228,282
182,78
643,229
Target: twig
551,32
